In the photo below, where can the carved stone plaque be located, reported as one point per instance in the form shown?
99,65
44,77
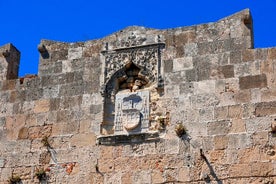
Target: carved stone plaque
131,112
131,68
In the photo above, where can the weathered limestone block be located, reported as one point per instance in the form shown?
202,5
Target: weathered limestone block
185,63
238,126
141,177
191,49
58,55
217,156
175,78
85,126
189,115
191,75
197,128
69,90
272,53
106,165
186,88
172,146
240,170
82,140
243,96
207,143
13,125
39,131
61,142
44,158
238,141
206,114
92,48
5,174
67,128
204,100
2,122
265,108
2,162
267,67
220,142
260,138
254,81
256,95
16,146
8,85
65,157
113,178
262,168
249,155
218,127
42,106
94,98
204,66
184,174
221,112
168,65
268,95
22,160
224,58
204,87
172,91
258,124
260,54
51,92
249,68
235,57
248,55
226,71
184,37
157,176
235,111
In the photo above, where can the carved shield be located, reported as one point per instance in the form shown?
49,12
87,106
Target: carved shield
131,119
131,112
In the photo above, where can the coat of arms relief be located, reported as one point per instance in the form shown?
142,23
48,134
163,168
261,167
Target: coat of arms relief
132,69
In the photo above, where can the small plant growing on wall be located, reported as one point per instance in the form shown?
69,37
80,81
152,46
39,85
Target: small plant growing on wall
45,141
180,130
273,129
40,174
15,180
162,120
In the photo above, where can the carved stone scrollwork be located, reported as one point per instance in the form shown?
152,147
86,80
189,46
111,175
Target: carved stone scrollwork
131,41
147,58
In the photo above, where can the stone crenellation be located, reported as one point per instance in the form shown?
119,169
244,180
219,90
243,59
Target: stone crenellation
192,104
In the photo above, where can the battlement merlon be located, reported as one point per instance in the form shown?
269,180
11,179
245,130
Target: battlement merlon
9,62
241,26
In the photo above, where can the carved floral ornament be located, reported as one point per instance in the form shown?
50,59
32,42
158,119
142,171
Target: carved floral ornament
146,57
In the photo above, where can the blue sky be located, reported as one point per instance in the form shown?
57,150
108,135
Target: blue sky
25,23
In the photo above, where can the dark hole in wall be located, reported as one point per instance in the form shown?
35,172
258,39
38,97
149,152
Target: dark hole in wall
248,22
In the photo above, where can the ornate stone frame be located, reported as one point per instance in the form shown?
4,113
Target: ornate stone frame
146,56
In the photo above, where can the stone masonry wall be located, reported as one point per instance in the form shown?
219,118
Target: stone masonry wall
215,84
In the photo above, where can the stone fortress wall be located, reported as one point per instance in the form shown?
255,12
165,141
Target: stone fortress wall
186,105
